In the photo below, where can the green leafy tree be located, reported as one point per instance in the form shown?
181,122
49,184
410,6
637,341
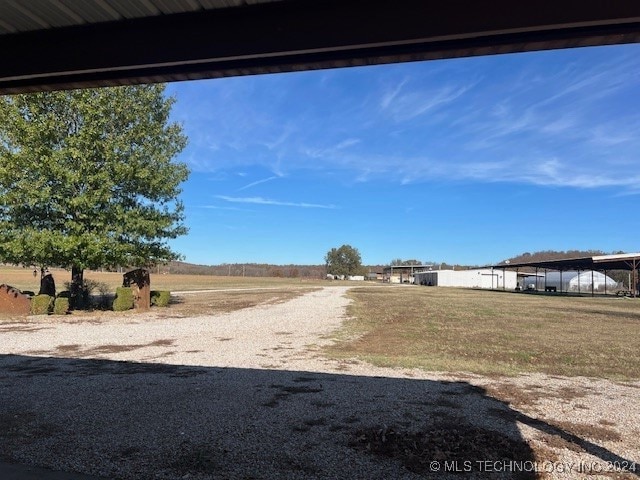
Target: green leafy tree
87,179
345,260
399,262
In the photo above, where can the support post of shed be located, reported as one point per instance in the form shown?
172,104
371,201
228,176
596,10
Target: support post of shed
592,286
561,281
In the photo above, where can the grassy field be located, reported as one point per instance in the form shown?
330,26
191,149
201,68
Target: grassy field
489,332
23,279
231,292
440,329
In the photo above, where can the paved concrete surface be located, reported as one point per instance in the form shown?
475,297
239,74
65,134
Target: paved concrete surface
10,471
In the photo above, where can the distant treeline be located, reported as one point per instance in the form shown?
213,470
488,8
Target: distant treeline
556,255
319,271
252,270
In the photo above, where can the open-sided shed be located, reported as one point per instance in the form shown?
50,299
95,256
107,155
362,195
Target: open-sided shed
598,263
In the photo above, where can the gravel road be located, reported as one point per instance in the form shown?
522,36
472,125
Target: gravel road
249,395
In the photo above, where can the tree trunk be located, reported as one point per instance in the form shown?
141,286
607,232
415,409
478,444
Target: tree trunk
77,295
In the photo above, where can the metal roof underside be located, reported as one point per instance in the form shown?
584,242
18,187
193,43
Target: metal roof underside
627,261
58,44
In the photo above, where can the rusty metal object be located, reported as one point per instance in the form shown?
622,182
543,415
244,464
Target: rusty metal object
140,283
14,301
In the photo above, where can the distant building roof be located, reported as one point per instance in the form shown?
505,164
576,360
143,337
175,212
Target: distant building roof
406,267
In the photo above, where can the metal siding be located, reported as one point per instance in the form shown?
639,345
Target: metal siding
16,20
47,14
70,13
93,11
169,6
130,9
25,16
5,27
479,278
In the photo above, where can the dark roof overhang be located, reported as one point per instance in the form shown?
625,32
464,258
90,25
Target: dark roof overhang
292,35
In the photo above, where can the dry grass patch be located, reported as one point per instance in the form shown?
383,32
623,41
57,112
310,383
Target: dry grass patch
20,327
235,292
521,396
181,306
211,303
23,279
75,350
489,332
598,433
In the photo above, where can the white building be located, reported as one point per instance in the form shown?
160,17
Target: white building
478,278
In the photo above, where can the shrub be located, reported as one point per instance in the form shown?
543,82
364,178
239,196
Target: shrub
123,300
104,298
86,297
41,304
103,301
61,306
91,286
160,298
103,288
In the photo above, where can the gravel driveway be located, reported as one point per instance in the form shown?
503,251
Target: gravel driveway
249,395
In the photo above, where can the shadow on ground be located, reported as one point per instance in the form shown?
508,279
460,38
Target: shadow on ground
136,421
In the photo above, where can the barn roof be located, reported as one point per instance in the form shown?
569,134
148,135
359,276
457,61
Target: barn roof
626,261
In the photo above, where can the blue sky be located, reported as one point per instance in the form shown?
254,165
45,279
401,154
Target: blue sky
466,161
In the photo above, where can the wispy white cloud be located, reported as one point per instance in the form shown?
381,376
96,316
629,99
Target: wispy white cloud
390,95
543,172
331,150
556,121
563,103
266,201
527,169
258,182
616,134
286,133
559,125
411,104
218,207
349,142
